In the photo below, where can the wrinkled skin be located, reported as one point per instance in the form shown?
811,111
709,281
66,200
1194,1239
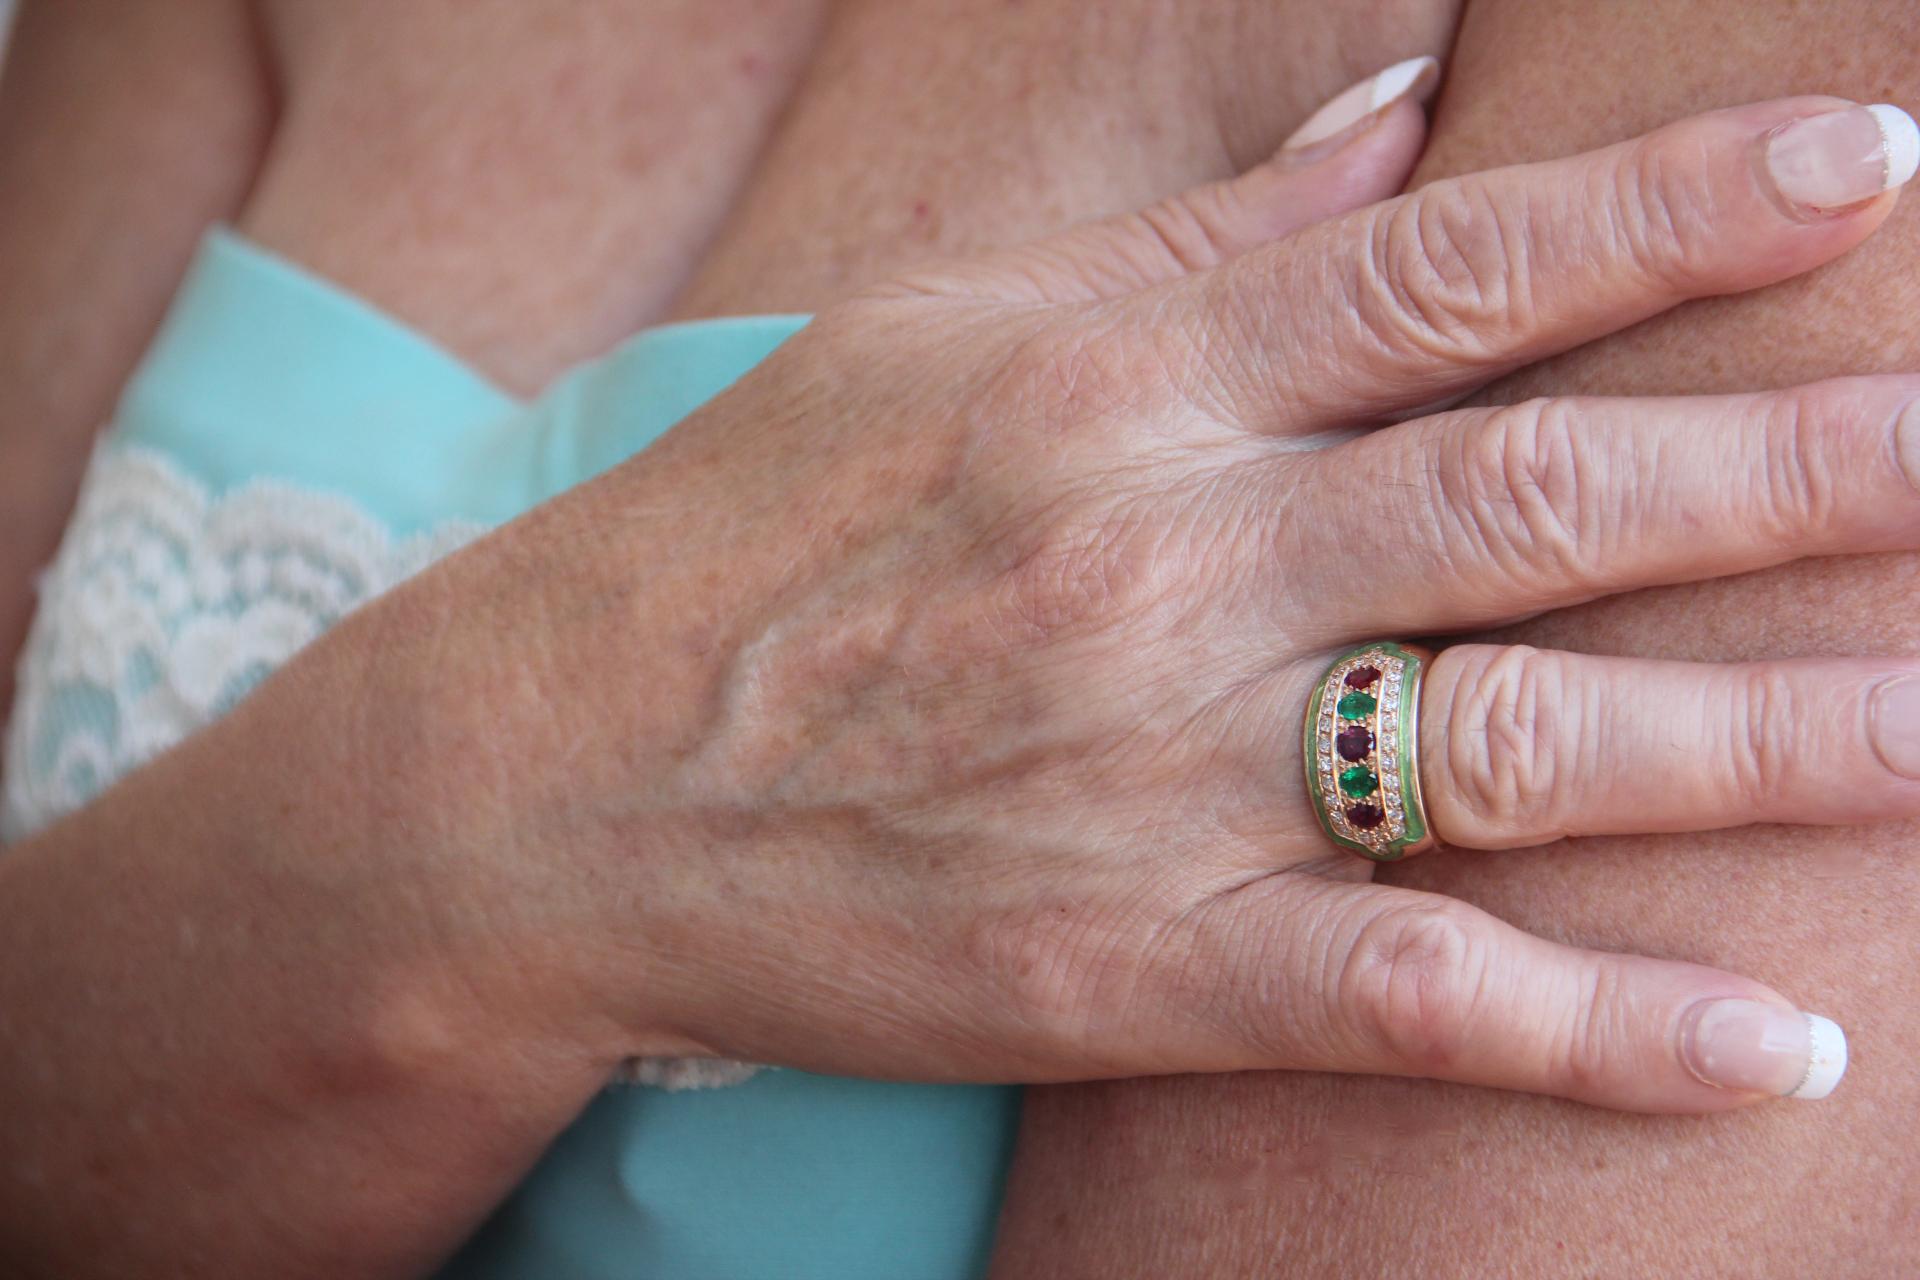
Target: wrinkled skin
979,762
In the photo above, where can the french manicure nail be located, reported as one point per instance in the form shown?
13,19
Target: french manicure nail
1893,717
1843,157
1415,77
1763,1048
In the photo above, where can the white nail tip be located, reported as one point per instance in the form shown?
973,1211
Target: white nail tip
1900,138
1829,1060
1397,79
1415,76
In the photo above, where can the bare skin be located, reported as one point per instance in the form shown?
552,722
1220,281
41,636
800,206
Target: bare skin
813,284
1252,1175
355,139
511,856
280,120
1005,122
106,194
529,183
380,1094
337,135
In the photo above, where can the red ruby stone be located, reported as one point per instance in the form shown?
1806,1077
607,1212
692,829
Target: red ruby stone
1354,743
1365,816
1362,677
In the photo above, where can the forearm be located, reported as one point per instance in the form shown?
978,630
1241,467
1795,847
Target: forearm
306,995
1353,1177
247,1027
125,128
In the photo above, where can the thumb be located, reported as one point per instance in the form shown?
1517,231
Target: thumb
1385,981
1356,150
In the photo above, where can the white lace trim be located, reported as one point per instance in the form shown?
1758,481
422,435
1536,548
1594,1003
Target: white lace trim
675,1074
167,603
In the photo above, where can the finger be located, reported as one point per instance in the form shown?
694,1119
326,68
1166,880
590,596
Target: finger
1421,298
1522,746
1485,516
1385,981
1357,150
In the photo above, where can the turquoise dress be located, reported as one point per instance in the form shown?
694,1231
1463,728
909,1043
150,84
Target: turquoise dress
286,451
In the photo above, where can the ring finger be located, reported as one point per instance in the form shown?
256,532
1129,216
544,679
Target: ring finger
1522,746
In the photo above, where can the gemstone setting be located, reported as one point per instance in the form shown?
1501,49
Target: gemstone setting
1365,816
1357,706
1359,781
1359,771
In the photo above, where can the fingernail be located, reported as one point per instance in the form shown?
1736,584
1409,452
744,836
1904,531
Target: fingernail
1415,77
1763,1048
1893,717
1906,441
1843,157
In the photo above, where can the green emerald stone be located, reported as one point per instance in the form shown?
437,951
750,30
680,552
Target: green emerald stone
1359,781
1357,706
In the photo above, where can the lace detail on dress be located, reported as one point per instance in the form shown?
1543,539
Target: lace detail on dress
166,604
674,1074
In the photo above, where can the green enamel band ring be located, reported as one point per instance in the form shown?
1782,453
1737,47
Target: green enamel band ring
1362,747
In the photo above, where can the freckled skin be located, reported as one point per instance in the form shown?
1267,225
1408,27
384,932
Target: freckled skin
1126,1179
407,151
1006,122
419,160
1064,110
1118,1180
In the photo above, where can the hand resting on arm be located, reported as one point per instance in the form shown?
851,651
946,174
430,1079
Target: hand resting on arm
927,707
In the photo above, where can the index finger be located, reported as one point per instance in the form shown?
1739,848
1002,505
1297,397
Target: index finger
1422,298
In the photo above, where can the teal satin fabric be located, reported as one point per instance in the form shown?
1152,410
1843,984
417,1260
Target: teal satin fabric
262,370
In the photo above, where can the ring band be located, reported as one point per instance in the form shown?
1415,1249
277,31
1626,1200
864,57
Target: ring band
1362,745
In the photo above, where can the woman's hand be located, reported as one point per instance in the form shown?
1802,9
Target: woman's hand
929,704
323,951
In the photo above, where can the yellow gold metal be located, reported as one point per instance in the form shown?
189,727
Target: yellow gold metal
1389,821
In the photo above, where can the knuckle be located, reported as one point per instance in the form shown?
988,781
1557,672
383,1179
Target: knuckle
1589,1049
1079,534
1088,566
1808,438
1414,981
1513,718
1520,501
1446,273
1763,727
1190,230
1663,213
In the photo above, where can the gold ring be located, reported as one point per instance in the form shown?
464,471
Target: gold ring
1362,744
